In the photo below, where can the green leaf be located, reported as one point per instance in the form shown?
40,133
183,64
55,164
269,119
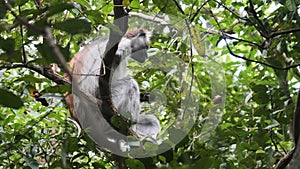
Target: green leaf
2,11
291,5
74,26
14,56
107,8
58,8
8,99
83,3
7,44
198,42
96,17
259,88
167,6
33,164
134,164
57,89
135,4
31,78
48,55
21,2
10,54
176,135
274,123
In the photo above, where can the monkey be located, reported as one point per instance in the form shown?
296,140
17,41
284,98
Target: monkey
125,91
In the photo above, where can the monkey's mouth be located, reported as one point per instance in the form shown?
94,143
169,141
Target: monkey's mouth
140,55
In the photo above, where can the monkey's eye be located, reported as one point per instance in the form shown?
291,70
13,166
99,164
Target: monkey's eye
142,33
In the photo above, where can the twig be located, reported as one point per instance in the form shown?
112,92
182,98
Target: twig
178,7
198,11
21,20
255,15
257,61
47,72
293,154
283,162
228,36
150,18
22,36
232,12
247,59
57,53
274,34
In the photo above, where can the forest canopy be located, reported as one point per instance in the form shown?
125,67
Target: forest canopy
231,66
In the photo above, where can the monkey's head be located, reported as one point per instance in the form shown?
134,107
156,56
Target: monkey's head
139,43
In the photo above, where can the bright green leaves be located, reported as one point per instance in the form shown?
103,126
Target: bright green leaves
95,16
135,164
8,99
291,5
48,56
74,26
58,8
31,162
135,4
167,6
260,94
62,89
83,3
11,54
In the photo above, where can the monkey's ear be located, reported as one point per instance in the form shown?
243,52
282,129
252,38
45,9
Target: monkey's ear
140,55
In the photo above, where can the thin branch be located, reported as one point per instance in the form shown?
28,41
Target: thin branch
257,61
150,18
22,40
255,15
198,10
228,36
47,72
21,20
57,53
283,162
232,12
178,7
247,59
274,34
293,155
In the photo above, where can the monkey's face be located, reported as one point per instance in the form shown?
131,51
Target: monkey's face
139,45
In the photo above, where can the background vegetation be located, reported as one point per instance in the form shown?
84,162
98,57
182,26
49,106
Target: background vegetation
254,43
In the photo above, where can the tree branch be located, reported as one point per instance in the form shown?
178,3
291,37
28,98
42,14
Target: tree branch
46,32
47,72
257,61
274,34
21,20
293,156
57,53
232,12
228,36
198,11
178,7
255,15
247,59
121,21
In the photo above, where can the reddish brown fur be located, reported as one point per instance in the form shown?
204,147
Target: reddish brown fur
133,33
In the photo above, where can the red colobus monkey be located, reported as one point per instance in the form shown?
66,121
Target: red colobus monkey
125,91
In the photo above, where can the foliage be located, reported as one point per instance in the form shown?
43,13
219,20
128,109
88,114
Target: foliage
254,44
